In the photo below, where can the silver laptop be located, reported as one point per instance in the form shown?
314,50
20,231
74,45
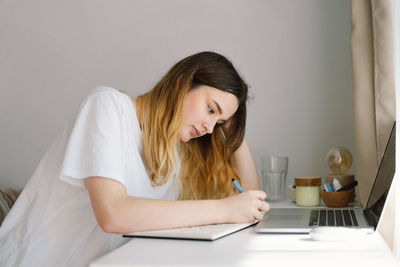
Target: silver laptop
302,220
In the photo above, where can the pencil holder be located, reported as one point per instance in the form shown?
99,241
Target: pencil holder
344,179
337,199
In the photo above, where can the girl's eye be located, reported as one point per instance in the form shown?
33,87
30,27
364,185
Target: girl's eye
210,109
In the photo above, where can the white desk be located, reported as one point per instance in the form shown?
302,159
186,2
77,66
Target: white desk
247,248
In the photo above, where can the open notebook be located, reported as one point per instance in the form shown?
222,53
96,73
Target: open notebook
203,232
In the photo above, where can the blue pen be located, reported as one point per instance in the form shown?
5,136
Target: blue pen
237,185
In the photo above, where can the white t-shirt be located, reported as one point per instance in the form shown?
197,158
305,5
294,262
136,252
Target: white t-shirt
52,222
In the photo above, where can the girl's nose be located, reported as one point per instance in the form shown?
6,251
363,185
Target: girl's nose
209,125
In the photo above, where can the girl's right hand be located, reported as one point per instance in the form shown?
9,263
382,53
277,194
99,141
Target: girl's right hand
245,207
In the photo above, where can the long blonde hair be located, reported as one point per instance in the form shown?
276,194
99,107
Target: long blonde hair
204,166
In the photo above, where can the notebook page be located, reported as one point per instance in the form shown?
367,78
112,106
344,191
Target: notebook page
203,232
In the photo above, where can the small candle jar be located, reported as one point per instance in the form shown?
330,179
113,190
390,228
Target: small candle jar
307,191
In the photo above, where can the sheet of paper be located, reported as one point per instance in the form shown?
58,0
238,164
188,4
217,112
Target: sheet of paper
203,232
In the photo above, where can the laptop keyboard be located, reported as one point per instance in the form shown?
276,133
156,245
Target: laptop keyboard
329,217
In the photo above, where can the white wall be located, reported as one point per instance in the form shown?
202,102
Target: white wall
294,54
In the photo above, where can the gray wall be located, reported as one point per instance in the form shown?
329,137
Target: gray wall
294,54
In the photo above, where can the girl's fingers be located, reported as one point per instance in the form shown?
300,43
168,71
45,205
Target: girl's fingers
258,216
266,207
259,194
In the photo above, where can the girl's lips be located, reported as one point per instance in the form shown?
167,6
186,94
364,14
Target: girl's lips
196,132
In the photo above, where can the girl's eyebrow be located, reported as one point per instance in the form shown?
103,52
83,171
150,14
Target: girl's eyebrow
218,107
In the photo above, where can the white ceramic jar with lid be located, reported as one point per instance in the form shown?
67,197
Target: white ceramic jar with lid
308,191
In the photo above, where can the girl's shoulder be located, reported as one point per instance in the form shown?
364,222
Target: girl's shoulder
106,95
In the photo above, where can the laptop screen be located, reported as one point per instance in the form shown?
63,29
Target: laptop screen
383,179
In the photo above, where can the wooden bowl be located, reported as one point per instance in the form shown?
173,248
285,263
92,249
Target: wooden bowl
344,179
337,199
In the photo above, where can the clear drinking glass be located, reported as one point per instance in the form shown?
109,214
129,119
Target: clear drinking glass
274,171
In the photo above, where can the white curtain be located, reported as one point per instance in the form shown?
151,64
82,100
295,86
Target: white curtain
373,86
389,225
396,195
373,46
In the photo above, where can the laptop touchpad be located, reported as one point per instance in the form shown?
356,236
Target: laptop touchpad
287,214
290,217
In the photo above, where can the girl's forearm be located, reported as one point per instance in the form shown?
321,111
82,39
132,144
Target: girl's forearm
117,212
140,214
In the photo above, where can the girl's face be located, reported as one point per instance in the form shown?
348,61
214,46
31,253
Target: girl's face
203,107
